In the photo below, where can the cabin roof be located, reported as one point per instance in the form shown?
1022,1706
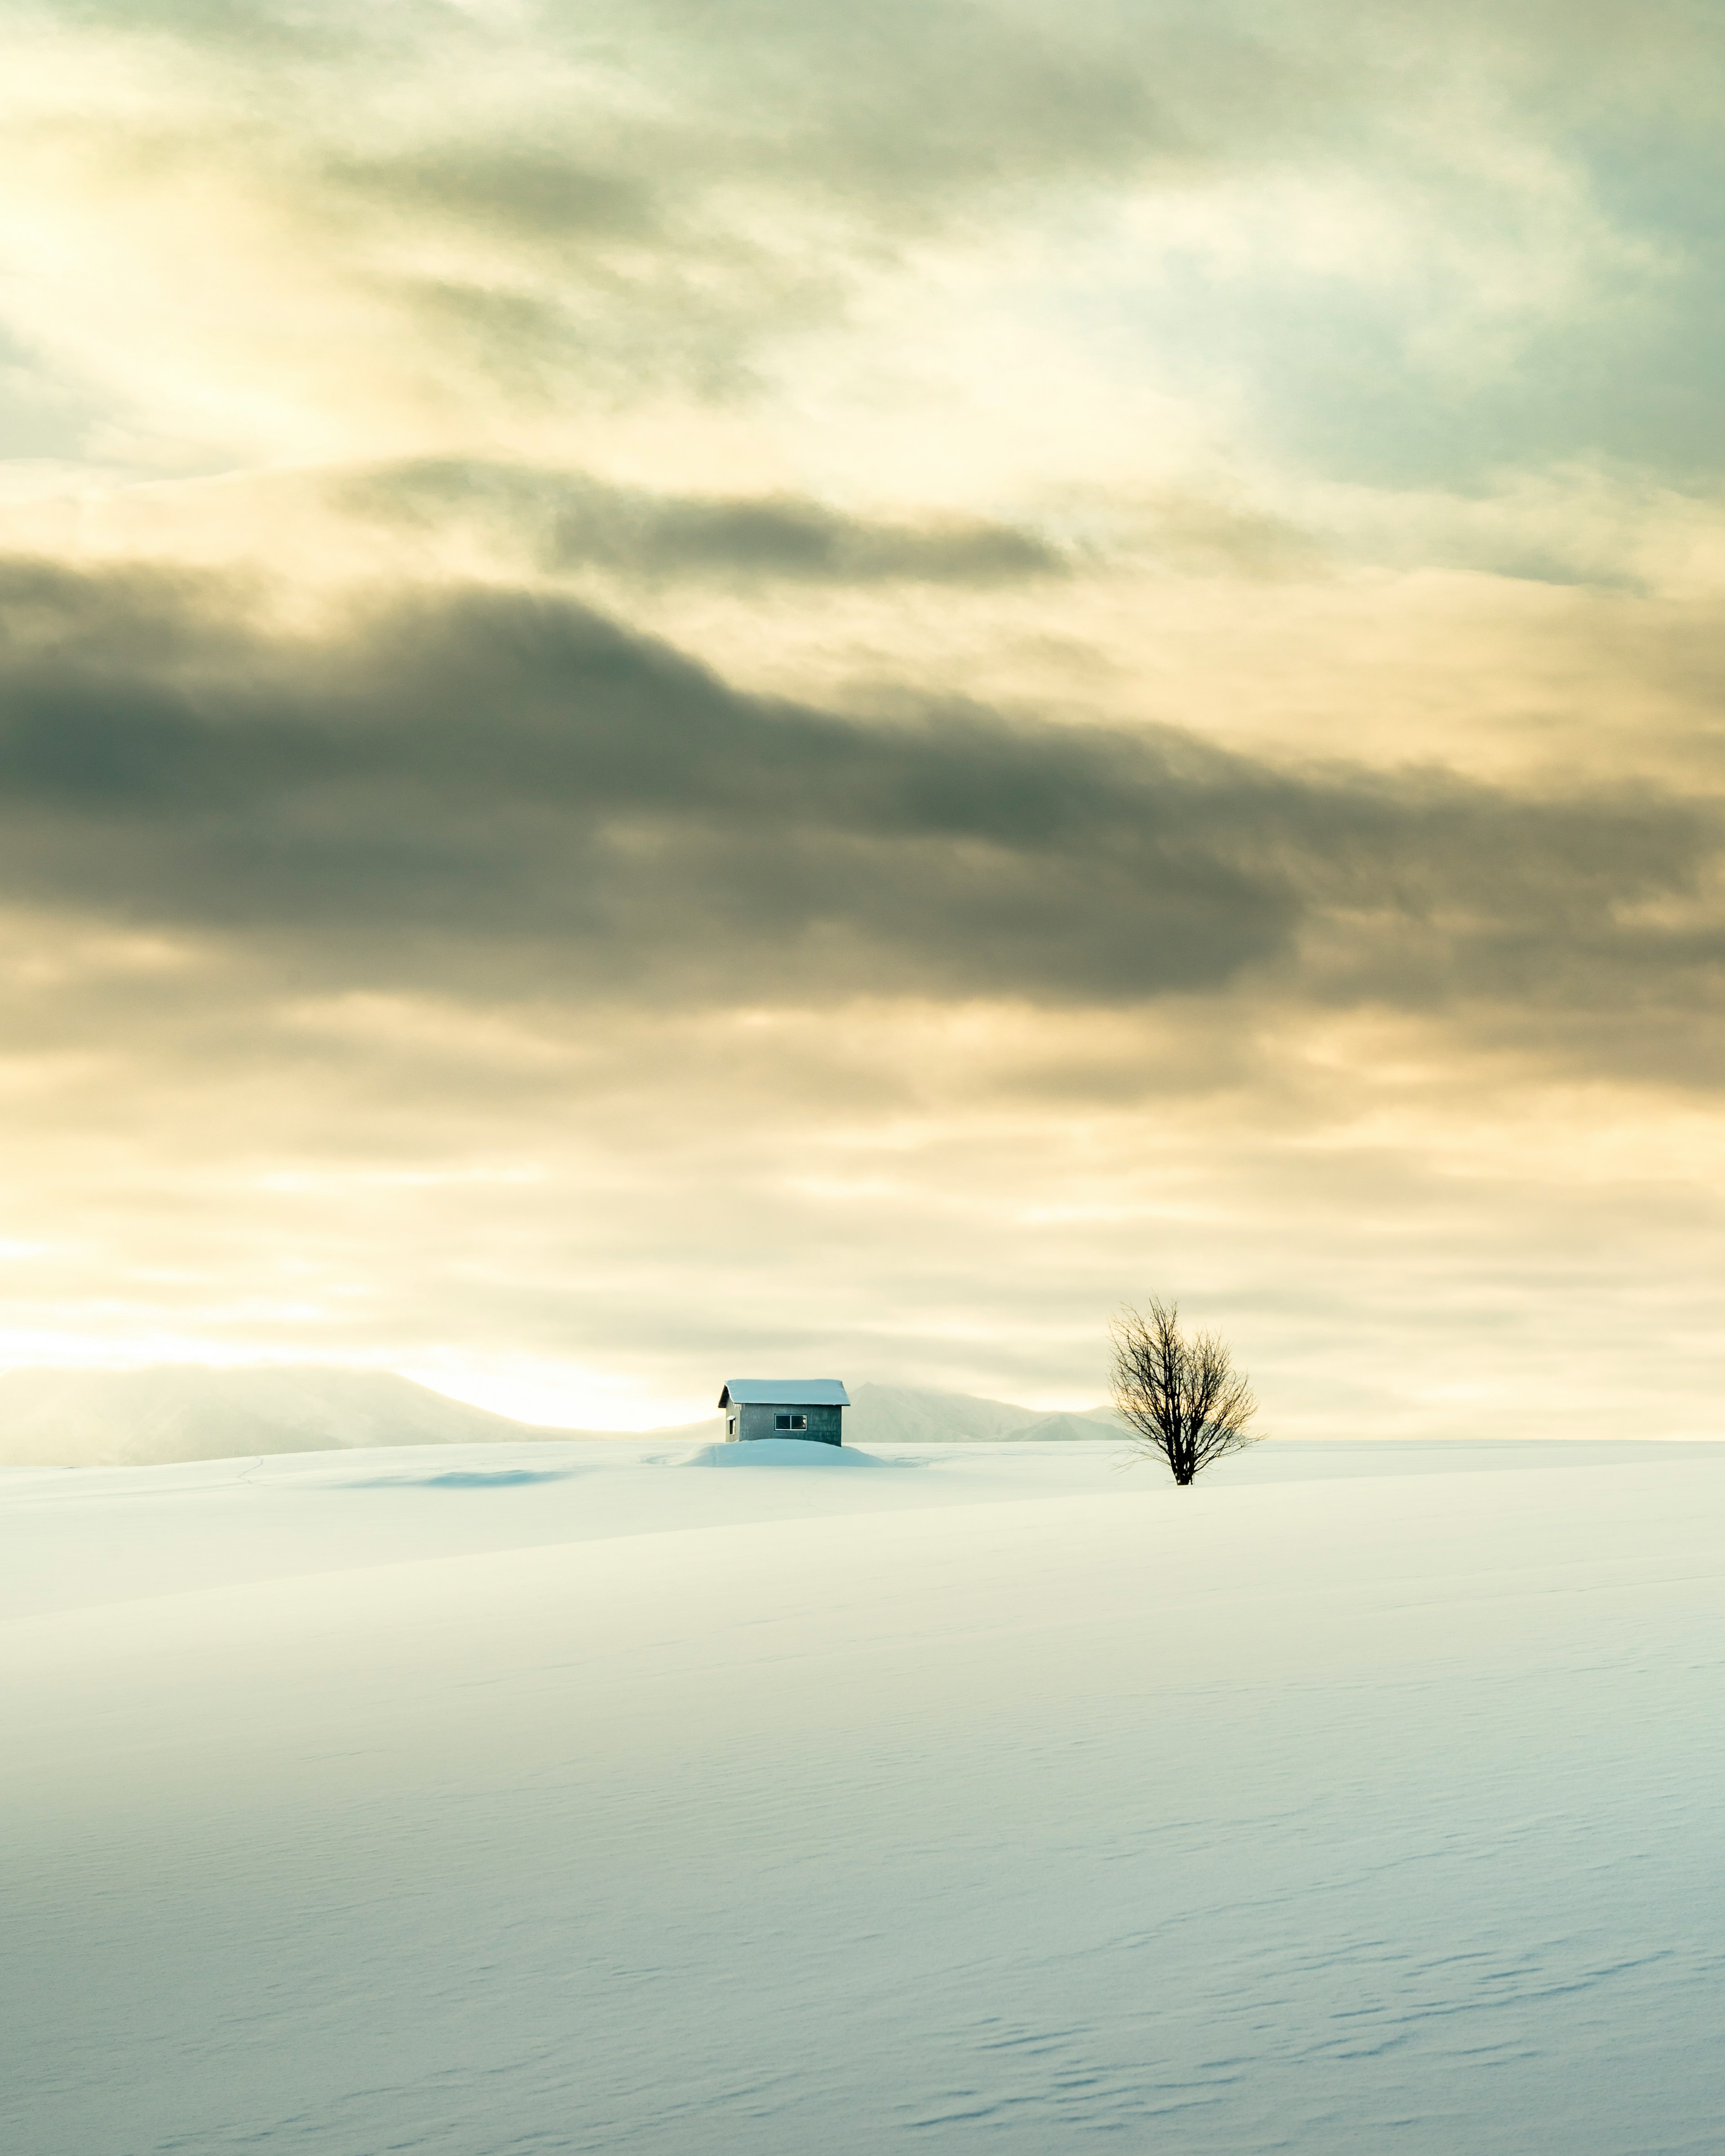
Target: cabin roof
783,1392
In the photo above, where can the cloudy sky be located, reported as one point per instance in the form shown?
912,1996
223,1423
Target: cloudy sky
803,688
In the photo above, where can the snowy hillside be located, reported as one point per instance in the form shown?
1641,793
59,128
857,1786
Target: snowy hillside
665,1800
113,1417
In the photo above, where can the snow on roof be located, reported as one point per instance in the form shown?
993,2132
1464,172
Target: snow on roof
783,1392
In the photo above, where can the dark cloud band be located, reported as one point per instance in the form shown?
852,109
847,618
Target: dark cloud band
465,785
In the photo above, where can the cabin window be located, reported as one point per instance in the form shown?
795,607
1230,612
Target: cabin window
790,1422
731,1427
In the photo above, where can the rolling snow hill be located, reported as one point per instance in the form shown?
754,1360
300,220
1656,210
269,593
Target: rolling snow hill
642,1799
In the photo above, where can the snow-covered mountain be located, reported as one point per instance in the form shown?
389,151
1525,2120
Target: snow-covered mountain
906,1414
179,1412
143,1418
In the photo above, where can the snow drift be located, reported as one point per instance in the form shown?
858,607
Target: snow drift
785,1452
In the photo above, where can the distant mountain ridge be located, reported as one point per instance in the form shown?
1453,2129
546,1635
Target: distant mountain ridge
909,1415
179,1412
185,1412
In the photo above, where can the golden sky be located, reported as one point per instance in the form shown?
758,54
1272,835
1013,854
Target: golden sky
785,687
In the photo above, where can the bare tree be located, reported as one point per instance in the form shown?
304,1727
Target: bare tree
1182,1398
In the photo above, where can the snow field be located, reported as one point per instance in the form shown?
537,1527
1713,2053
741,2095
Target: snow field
970,1801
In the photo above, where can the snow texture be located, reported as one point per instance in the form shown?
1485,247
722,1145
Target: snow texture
475,1800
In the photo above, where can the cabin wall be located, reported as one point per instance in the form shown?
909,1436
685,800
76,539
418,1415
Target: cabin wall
825,1425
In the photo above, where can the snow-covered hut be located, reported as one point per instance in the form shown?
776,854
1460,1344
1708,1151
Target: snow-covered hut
784,1406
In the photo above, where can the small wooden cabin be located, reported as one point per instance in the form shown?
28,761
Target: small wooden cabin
812,1407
